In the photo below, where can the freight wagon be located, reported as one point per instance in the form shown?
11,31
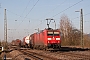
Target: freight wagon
16,43
26,41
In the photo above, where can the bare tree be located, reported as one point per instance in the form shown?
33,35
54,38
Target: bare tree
70,35
65,27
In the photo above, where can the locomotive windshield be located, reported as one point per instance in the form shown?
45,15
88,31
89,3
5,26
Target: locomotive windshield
56,33
50,33
53,34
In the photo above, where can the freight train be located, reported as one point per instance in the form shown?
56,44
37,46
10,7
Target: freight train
45,39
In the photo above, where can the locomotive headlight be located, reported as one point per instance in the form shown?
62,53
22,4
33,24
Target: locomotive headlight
49,38
48,41
57,38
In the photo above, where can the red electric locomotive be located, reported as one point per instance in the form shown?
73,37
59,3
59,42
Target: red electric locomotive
47,38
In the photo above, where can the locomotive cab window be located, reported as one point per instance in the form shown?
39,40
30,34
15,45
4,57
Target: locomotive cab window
50,33
56,34
53,33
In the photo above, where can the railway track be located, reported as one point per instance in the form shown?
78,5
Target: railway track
73,55
47,55
37,56
56,54
76,56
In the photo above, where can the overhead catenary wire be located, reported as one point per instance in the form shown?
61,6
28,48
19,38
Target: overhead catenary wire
67,8
32,8
16,14
50,12
21,14
28,13
25,9
55,8
83,15
41,22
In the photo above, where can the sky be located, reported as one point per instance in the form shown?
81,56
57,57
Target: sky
24,17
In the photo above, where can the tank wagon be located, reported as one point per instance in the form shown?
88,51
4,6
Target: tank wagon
45,39
26,41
